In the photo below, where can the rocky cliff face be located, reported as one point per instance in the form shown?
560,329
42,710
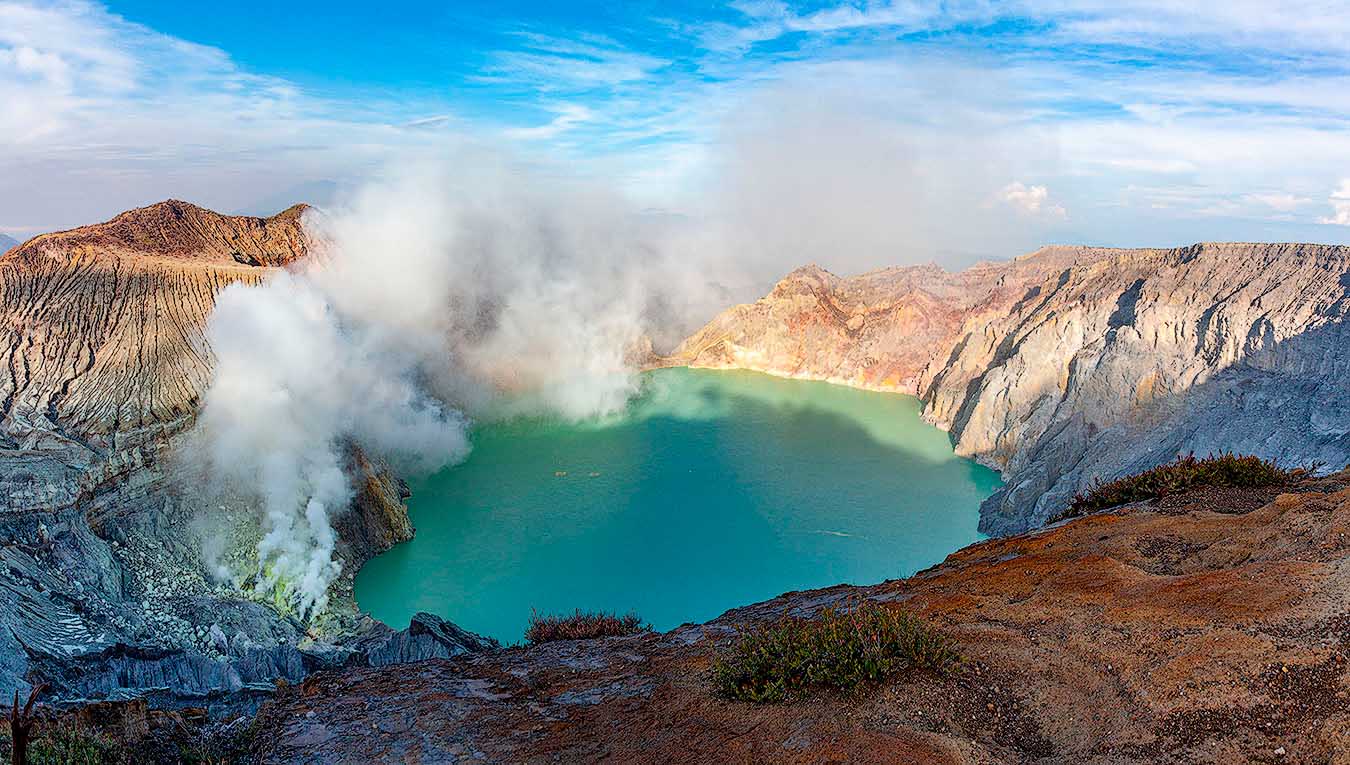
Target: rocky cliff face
103,357
1071,365
1058,367
102,327
881,330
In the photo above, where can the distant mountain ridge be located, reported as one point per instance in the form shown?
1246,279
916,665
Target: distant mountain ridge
1073,364
177,229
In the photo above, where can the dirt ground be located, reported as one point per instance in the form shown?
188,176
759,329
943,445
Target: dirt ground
1211,628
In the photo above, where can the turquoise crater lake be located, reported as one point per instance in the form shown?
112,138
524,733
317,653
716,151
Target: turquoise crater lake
714,489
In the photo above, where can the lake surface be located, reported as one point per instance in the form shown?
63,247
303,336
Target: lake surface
715,489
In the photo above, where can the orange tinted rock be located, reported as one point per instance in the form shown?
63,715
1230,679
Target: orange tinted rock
1128,636
104,325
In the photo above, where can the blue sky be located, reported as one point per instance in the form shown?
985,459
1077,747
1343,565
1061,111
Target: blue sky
953,129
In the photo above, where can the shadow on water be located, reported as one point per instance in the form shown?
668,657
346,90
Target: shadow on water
715,490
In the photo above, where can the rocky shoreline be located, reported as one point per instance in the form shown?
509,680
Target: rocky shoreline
1211,626
1073,365
109,598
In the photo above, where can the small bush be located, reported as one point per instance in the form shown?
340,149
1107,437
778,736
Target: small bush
838,649
65,743
1183,474
581,626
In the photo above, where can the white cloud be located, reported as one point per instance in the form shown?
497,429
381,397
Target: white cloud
1251,95
101,114
1031,200
434,121
1291,26
1340,205
1280,202
771,19
1159,165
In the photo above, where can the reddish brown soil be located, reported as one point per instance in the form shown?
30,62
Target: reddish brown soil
1131,636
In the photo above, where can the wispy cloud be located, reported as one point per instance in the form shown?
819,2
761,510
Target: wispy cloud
1284,203
1205,121
568,117
552,63
102,114
1295,27
434,121
770,19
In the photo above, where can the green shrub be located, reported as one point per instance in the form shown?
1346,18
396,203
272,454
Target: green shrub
64,743
864,643
581,626
1183,474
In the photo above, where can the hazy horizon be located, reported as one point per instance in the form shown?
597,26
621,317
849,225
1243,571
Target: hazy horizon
856,135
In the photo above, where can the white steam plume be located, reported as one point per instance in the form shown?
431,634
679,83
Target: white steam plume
291,383
435,291
447,289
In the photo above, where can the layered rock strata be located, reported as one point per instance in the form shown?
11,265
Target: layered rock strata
104,590
1059,367
1072,365
102,328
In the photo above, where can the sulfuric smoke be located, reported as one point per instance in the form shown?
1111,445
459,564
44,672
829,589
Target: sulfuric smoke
446,290
435,294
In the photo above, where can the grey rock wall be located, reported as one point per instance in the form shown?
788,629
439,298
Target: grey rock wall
104,584
1123,363
1073,364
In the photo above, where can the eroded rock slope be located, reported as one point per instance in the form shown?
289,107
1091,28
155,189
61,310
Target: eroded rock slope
104,590
101,327
1073,364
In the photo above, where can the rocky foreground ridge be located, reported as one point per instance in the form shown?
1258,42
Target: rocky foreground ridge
1075,364
1211,627
103,588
